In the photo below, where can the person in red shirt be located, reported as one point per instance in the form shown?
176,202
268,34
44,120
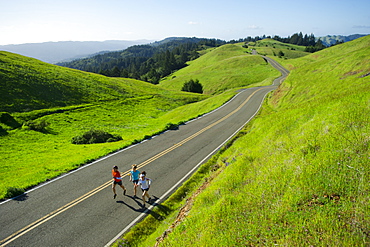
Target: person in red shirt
117,180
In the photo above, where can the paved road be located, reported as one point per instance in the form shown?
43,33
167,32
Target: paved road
78,209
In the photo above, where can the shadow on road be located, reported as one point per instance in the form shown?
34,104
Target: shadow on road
163,210
21,198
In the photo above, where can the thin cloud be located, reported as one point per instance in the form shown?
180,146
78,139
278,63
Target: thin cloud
254,27
193,23
361,26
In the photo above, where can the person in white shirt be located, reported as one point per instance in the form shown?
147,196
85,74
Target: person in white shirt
144,182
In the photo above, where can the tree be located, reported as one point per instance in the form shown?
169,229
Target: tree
115,72
294,39
153,76
124,73
192,86
319,46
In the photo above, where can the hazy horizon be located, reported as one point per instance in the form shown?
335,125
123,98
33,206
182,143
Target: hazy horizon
40,21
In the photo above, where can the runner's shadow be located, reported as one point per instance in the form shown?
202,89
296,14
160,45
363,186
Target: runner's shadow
161,211
131,207
138,201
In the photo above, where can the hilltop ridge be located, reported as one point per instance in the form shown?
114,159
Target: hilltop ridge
29,84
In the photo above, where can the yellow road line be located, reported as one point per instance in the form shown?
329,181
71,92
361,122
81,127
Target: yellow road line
60,210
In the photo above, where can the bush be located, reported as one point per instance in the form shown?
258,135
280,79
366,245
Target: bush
95,136
3,132
13,192
171,126
192,86
36,125
281,54
8,120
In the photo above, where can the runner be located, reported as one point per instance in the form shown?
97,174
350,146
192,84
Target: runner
117,180
145,185
134,177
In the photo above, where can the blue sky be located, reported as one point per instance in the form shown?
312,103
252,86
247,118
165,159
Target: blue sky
34,21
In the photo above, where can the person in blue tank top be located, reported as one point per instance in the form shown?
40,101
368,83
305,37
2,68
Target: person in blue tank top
134,177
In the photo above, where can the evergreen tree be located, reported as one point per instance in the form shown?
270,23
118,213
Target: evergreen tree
124,73
294,39
300,39
115,72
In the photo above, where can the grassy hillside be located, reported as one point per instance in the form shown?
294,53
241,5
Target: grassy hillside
298,175
270,47
222,68
29,84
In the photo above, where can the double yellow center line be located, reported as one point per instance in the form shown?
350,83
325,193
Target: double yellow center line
60,210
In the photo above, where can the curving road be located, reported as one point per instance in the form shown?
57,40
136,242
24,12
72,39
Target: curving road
78,209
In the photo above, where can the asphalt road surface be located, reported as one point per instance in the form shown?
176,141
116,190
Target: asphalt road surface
78,209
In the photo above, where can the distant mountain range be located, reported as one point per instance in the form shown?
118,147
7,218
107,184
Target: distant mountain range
62,51
329,40
65,51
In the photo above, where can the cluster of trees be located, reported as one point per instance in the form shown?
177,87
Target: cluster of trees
304,40
297,39
146,62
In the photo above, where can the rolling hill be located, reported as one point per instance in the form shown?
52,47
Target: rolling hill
232,66
28,84
275,48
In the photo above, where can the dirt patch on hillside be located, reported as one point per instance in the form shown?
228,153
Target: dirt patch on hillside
350,73
184,211
278,94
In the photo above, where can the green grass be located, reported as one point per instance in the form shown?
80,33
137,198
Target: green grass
223,68
298,174
28,84
48,153
270,47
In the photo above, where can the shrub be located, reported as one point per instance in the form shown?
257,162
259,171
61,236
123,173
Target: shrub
3,132
13,192
281,54
95,136
171,126
36,125
192,86
8,120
